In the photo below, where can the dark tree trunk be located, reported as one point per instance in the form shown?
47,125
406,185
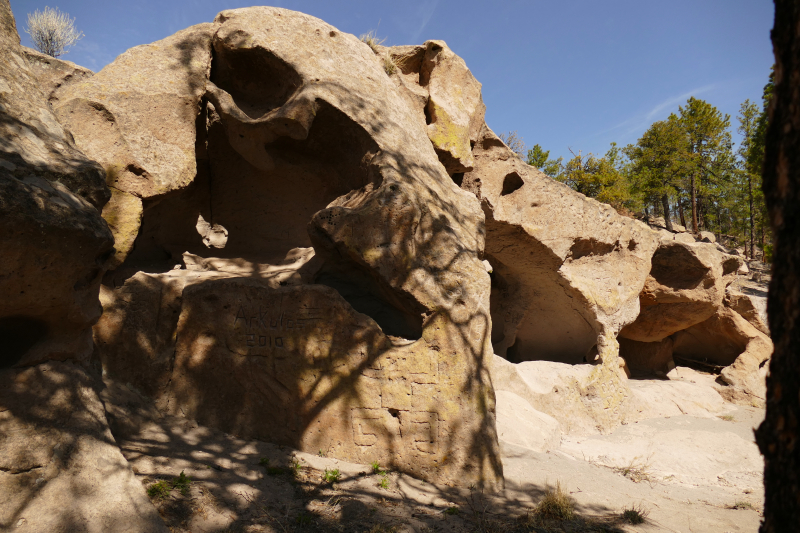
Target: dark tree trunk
680,212
778,436
752,214
665,206
694,206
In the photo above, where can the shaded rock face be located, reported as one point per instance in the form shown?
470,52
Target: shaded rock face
53,245
330,292
60,469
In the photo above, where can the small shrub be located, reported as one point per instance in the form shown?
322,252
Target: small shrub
371,40
182,483
263,462
321,453
635,472
331,476
274,471
52,32
389,65
376,468
159,491
452,510
635,515
295,466
742,505
556,504
728,418
384,482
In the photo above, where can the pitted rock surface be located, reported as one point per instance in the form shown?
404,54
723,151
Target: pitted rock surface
331,200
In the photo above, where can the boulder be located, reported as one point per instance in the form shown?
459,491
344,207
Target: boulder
428,75
685,287
751,308
60,469
567,269
54,75
707,236
584,399
54,245
329,291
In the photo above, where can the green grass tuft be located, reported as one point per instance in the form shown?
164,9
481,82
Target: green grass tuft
159,491
331,476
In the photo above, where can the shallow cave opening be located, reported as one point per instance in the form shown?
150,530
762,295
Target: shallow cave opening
18,334
533,319
264,213
395,315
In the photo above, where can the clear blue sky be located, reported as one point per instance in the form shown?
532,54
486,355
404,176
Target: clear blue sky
578,74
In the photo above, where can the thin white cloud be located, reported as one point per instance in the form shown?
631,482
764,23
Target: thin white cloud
426,12
669,102
639,122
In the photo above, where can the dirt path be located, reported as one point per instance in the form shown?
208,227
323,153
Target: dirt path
687,472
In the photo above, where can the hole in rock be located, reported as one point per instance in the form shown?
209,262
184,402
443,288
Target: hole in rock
18,334
265,213
458,178
584,247
533,318
365,294
257,80
512,182
394,412
730,266
675,266
428,113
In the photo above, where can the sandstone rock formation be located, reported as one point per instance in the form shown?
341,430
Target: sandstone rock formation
727,339
330,292
685,287
429,75
60,469
54,75
53,243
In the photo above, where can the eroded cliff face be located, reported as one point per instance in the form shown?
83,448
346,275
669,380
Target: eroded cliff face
54,245
330,292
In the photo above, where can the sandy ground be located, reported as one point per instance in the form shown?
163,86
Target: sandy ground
689,473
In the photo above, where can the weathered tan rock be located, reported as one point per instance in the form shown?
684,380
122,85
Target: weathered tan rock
584,399
137,115
32,142
707,236
303,124
54,75
438,83
60,469
53,243
746,306
727,339
566,269
519,424
685,287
